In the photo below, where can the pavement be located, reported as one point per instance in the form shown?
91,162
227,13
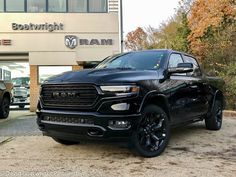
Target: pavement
192,151
19,123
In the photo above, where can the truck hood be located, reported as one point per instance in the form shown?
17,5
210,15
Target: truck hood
104,76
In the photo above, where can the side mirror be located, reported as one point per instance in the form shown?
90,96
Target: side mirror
181,68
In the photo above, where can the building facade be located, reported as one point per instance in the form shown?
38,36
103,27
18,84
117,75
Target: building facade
57,33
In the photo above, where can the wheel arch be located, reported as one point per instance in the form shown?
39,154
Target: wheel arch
218,96
156,99
7,94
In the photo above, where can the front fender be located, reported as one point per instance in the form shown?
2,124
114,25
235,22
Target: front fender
154,97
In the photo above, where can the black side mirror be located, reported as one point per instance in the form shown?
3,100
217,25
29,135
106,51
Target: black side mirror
181,68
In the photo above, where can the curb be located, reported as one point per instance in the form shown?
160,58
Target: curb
231,114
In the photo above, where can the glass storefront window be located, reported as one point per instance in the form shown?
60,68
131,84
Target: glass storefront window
36,6
1,5
97,5
15,5
48,71
56,5
77,5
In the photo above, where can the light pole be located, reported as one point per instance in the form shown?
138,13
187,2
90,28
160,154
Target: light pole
121,26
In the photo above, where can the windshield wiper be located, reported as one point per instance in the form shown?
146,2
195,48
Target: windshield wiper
124,68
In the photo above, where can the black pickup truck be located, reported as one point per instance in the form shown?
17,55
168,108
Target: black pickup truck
5,98
136,95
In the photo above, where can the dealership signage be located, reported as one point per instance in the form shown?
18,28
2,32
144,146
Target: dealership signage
38,27
5,42
72,41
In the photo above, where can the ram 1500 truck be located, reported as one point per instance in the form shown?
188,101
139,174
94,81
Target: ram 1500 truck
138,96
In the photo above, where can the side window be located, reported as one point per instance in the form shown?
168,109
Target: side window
196,69
174,60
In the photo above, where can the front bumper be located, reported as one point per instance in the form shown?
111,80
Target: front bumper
74,125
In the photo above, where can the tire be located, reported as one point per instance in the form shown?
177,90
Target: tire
153,132
5,108
22,106
64,142
214,121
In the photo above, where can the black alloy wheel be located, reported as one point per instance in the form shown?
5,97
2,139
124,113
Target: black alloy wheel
5,108
152,134
214,121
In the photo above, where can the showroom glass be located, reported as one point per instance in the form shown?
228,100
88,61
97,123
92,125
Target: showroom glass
36,5
15,5
139,60
57,6
77,5
1,5
48,71
97,5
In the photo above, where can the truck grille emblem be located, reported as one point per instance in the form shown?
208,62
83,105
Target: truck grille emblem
65,95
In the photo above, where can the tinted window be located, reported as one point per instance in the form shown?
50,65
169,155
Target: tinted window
36,5
136,60
57,5
196,68
1,6
174,60
97,5
15,5
77,5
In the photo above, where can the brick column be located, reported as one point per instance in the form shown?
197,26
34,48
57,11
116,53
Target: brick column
76,67
34,88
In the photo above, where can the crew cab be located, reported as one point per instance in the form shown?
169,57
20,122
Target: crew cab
136,96
5,98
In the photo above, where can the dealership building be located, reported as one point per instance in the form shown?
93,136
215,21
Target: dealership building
53,36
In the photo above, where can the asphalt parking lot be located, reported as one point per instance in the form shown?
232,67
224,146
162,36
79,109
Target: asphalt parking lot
192,151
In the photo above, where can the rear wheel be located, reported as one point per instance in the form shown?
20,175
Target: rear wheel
5,108
152,134
214,121
64,142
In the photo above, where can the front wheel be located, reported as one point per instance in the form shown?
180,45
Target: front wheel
152,134
5,108
214,121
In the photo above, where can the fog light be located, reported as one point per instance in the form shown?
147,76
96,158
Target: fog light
117,124
120,107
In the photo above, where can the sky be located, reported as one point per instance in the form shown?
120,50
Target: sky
144,13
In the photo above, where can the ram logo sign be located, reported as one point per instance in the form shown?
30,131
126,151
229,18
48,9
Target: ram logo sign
71,41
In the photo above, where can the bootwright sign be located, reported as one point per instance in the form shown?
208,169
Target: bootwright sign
38,27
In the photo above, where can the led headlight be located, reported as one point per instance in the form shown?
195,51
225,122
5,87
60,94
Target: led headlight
122,90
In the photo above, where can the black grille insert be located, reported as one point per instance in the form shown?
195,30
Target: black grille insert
69,96
67,119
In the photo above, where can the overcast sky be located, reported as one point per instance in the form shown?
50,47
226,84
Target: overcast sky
146,12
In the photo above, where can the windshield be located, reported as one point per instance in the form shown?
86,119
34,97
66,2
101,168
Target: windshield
135,60
20,81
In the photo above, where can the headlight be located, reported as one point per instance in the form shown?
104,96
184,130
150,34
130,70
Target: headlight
123,90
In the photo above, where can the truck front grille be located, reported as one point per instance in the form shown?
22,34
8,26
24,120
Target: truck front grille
69,96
